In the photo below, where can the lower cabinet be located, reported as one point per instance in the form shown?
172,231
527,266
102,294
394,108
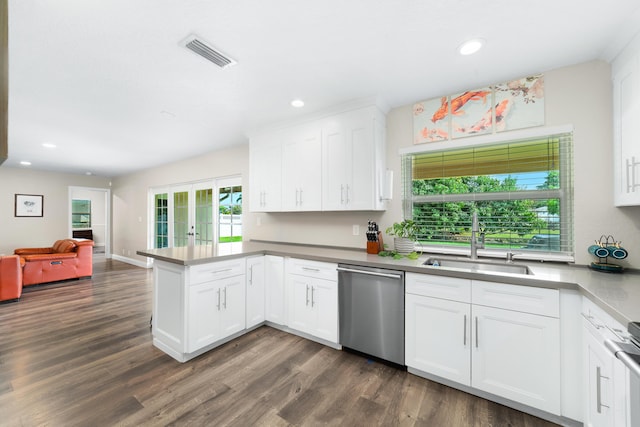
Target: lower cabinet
606,380
216,310
313,299
450,329
275,302
508,353
255,290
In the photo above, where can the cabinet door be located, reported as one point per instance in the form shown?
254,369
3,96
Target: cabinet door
626,129
438,337
324,304
232,301
517,356
265,157
301,316
301,177
255,290
363,159
334,165
274,289
203,321
598,377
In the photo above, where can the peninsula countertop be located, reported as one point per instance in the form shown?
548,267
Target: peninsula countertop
617,294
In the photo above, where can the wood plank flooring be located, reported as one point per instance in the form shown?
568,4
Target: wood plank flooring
79,353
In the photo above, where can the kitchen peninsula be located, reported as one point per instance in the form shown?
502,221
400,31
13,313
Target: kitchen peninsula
206,296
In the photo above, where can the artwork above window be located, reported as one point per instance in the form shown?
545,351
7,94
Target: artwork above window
507,106
80,213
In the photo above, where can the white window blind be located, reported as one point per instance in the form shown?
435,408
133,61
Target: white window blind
522,191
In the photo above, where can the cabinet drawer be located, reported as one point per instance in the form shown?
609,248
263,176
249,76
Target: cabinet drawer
317,269
526,299
427,285
217,270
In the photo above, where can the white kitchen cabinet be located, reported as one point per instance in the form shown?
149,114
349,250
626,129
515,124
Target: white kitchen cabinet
353,160
265,179
335,162
626,125
517,356
486,336
437,337
606,378
255,290
302,168
313,298
275,290
196,307
216,310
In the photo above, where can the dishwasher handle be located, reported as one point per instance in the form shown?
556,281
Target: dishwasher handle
371,273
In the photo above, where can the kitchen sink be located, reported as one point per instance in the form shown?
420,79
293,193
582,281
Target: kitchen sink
478,266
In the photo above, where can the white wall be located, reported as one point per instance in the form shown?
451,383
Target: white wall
579,95
54,225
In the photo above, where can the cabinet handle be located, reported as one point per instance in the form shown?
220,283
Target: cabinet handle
631,175
591,320
301,197
599,404
464,332
347,194
307,303
476,331
312,301
224,304
221,271
263,200
218,299
251,275
311,269
342,194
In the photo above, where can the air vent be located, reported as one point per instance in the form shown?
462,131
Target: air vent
197,45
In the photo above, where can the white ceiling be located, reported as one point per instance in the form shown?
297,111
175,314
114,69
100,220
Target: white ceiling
110,85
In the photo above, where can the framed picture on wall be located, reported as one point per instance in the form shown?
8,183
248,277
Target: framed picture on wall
29,205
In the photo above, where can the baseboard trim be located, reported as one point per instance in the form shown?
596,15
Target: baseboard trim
132,261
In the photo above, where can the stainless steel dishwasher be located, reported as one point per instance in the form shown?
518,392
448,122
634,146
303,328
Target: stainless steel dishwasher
371,302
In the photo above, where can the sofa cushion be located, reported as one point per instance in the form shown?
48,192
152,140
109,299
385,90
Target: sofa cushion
63,246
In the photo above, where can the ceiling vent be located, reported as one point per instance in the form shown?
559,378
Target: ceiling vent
199,46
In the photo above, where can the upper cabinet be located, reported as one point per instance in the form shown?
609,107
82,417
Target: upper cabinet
265,179
301,169
626,125
333,163
353,160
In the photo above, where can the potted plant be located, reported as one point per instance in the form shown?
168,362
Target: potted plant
405,234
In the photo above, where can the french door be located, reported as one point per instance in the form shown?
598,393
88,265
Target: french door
200,213
183,215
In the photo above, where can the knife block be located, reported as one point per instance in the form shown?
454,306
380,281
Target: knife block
375,247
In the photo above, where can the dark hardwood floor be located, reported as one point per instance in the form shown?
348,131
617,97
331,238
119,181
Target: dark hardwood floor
79,353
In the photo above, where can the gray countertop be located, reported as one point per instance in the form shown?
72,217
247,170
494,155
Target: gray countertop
618,294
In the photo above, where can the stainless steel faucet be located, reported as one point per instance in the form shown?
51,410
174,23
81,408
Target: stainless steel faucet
475,242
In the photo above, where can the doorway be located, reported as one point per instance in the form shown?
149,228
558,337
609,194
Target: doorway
90,214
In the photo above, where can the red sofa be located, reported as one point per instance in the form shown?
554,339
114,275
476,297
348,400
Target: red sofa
10,278
66,259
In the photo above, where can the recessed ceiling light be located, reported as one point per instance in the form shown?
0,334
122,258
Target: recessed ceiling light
25,163
297,103
88,173
470,47
49,145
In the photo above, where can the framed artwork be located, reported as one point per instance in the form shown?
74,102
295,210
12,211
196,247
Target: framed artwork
29,205
516,104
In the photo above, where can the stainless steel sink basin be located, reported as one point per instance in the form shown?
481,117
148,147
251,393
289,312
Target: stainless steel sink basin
478,266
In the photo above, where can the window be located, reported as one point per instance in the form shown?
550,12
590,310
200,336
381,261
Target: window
161,220
522,191
80,213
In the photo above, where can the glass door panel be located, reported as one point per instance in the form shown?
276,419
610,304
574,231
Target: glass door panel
161,220
230,214
204,216
181,219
